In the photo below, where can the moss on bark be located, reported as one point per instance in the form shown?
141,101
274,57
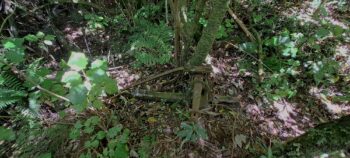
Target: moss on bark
209,33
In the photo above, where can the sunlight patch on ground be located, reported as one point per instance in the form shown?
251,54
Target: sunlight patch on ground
343,56
282,119
305,14
123,75
73,33
331,107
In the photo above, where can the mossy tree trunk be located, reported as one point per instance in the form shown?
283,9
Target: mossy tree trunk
204,46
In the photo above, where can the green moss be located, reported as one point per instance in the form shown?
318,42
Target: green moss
209,33
324,138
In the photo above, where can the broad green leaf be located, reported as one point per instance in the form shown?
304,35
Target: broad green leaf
337,30
321,33
114,131
31,38
99,64
48,42
201,132
97,104
14,50
6,134
91,144
293,52
77,95
49,37
77,61
111,86
46,155
286,52
94,120
89,130
240,139
97,76
78,125
248,47
71,78
74,134
100,135
40,34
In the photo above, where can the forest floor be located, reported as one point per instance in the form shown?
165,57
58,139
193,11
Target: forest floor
234,129
253,123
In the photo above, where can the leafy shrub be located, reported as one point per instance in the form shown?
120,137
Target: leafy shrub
291,53
100,141
191,132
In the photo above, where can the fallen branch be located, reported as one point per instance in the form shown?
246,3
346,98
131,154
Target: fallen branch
193,69
241,25
172,97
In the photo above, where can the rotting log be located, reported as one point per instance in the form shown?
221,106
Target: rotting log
197,94
178,97
167,96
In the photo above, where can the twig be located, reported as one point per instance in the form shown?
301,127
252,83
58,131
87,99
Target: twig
166,12
5,20
149,79
86,42
252,57
66,1
241,25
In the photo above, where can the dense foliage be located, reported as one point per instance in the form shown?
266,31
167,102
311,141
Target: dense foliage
59,96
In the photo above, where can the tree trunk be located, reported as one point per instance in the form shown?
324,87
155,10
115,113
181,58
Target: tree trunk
209,33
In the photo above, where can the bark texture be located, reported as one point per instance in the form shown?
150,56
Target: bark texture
207,39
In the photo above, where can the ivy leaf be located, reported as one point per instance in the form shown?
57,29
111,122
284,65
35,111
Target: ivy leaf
77,61
6,134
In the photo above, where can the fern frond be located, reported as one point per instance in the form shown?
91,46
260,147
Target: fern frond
11,82
11,90
151,44
10,96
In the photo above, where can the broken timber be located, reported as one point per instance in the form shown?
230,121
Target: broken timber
200,90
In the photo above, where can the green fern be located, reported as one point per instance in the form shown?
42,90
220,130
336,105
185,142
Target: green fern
151,43
11,90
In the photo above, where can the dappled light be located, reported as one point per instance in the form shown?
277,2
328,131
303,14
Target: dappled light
175,79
